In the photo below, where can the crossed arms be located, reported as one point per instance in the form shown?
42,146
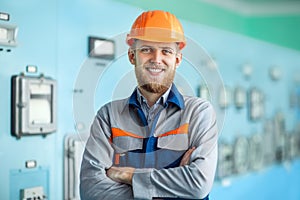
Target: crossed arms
125,174
99,179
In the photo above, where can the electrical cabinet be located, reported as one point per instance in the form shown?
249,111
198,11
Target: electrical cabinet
33,105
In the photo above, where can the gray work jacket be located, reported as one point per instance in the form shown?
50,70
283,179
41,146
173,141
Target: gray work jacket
120,136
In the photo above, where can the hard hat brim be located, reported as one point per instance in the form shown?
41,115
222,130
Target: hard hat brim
156,35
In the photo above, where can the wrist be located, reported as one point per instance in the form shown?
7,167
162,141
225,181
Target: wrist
121,174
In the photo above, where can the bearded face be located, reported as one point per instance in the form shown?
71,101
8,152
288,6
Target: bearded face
154,78
155,65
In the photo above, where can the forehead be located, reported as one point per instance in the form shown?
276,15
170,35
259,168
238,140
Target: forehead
140,43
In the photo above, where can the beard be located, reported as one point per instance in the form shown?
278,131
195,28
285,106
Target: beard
155,88
155,85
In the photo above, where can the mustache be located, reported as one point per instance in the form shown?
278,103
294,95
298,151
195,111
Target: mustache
154,65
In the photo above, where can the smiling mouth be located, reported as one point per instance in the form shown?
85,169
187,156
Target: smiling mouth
155,70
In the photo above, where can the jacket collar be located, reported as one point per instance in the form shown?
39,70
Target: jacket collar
174,97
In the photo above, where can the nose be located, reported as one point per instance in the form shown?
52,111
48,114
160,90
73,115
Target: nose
156,57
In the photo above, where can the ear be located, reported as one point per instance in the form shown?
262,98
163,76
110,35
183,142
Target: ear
178,59
131,56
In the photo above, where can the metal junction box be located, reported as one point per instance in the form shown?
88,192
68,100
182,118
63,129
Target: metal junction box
33,105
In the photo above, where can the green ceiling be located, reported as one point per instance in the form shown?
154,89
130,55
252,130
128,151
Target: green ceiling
280,26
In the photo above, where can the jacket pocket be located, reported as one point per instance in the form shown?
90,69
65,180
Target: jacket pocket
128,152
125,144
176,142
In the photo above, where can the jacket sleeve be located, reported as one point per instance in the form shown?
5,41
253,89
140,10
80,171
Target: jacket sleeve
97,157
193,181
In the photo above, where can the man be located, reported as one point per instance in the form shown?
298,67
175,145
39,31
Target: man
157,143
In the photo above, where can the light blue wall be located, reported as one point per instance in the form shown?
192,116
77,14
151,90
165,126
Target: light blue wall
37,45
53,36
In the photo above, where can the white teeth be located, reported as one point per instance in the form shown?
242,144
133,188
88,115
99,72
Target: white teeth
155,70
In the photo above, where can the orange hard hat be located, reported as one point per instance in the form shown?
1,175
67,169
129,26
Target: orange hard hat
157,26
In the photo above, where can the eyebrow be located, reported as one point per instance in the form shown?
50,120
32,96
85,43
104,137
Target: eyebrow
163,47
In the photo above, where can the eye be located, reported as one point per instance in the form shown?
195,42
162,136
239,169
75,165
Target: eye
146,50
168,51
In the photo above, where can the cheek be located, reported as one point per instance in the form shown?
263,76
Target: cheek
140,62
141,58
140,75
172,65
172,62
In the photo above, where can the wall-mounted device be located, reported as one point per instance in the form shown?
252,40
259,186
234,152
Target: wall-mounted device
275,73
225,97
293,145
279,133
8,35
33,193
74,148
256,104
240,155
4,16
256,152
247,70
225,160
101,48
269,144
33,105
239,97
204,92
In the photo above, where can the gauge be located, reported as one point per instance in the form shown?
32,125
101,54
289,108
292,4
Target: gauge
291,146
204,92
280,136
256,104
269,142
240,155
239,97
224,97
275,73
225,164
256,152
247,70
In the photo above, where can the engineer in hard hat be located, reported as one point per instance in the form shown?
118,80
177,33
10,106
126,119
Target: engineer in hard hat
157,143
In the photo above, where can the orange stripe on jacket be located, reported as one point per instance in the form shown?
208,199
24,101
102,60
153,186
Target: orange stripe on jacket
117,158
116,132
180,130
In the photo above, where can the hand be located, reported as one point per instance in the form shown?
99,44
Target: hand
121,174
186,157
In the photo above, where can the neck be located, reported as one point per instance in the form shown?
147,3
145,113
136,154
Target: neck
150,96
